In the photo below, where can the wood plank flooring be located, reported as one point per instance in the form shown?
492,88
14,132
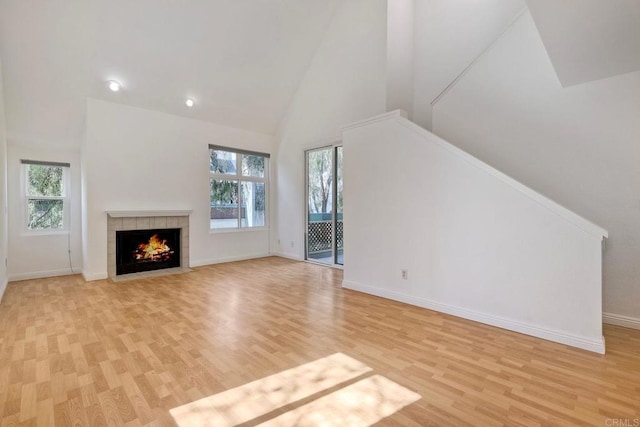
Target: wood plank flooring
102,353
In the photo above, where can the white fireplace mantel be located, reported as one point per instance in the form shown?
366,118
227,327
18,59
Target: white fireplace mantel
138,214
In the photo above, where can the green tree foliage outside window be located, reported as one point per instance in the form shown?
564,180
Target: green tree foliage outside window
252,165
223,192
45,197
222,162
320,181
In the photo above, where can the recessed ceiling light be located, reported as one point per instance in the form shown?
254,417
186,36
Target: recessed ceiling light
114,85
190,102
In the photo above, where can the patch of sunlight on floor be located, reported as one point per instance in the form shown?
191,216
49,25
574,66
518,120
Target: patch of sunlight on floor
252,400
358,405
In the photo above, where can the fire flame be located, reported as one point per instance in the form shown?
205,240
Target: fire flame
155,250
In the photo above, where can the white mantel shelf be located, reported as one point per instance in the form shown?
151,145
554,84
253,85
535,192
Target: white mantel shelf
134,214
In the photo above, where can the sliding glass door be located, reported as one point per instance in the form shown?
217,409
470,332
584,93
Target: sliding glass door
324,231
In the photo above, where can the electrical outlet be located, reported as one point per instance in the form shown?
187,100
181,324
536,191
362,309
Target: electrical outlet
405,274
292,243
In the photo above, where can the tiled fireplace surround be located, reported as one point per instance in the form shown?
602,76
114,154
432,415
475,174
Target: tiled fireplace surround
147,220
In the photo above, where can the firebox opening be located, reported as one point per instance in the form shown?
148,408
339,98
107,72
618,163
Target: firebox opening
146,250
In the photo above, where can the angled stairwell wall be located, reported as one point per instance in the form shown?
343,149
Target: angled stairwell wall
475,243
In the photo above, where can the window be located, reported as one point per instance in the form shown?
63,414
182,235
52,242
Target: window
239,185
45,195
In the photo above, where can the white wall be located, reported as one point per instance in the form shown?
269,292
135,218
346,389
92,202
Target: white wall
577,145
475,243
4,232
135,159
449,35
400,54
346,81
34,255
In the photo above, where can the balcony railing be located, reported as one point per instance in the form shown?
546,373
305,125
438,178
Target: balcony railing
320,236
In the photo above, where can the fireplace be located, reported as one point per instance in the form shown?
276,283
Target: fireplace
147,243
147,250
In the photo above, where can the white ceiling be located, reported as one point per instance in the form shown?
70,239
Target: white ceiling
589,39
450,35
241,60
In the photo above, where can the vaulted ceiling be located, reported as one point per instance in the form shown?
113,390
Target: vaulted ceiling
240,60
589,39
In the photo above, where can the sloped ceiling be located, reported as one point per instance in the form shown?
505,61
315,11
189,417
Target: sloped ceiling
589,39
240,60
449,35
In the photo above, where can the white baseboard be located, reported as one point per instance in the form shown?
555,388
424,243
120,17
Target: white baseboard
288,256
41,274
620,320
595,345
89,277
201,262
3,286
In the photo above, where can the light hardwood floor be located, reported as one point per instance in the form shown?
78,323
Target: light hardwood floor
102,353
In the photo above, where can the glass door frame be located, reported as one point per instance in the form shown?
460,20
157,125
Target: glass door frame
334,204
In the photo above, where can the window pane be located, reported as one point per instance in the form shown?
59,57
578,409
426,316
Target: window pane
252,165
224,204
222,162
44,181
254,202
44,214
320,164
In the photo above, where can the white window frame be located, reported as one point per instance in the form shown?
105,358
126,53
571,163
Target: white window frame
241,178
64,197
